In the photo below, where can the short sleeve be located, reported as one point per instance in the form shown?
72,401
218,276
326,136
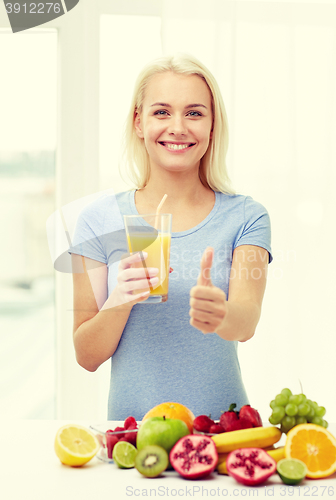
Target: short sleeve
257,227
88,234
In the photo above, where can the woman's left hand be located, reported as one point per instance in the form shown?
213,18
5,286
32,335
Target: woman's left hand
208,304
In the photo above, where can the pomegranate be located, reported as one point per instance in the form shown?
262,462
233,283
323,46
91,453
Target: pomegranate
250,466
194,456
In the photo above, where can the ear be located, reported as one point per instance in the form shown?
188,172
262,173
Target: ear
138,125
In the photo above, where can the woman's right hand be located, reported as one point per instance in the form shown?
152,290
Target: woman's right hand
132,277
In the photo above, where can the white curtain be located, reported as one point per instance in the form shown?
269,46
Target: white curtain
276,66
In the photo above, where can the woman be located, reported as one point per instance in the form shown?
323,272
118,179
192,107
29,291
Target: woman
183,350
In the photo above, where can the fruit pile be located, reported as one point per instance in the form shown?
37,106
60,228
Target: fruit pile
239,445
290,410
230,420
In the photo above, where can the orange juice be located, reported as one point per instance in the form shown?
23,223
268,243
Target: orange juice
158,248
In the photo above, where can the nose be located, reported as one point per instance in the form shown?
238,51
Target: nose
177,125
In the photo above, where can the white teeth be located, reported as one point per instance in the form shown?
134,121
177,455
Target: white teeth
176,146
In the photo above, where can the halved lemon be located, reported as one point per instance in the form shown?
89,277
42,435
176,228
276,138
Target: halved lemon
75,445
315,446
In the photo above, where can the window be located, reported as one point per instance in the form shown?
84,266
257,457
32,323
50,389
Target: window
27,174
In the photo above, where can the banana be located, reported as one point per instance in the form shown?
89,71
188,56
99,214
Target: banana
257,437
276,453
221,464
222,457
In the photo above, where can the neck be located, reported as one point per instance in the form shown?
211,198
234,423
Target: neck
182,189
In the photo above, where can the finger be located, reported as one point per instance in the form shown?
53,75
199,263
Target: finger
203,316
140,297
203,327
130,286
208,306
207,293
204,277
134,273
132,259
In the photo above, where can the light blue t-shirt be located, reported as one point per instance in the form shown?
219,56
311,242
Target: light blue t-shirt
160,356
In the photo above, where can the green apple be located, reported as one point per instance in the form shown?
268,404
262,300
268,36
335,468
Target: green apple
164,432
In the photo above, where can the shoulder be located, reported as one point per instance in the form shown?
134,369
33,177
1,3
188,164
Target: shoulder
241,204
102,204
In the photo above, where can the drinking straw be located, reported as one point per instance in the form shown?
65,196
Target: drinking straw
156,221
158,211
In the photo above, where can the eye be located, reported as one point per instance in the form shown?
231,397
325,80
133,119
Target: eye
195,113
160,112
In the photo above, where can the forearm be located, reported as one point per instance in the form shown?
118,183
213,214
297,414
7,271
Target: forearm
97,339
240,321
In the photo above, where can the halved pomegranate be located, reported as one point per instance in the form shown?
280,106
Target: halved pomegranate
194,456
250,466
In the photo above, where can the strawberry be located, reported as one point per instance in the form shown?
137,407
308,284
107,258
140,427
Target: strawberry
245,423
216,429
239,424
202,423
251,415
228,419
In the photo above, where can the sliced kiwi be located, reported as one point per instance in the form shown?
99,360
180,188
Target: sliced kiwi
151,460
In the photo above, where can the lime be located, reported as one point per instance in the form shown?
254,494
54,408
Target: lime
124,454
291,470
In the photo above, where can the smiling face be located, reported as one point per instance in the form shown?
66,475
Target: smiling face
176,121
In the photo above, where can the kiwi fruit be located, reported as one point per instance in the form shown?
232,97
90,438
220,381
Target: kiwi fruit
151,460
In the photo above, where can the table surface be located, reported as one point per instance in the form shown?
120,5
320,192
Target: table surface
30,470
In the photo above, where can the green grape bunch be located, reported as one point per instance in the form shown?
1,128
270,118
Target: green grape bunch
290,409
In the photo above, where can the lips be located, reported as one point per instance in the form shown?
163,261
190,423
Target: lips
175,146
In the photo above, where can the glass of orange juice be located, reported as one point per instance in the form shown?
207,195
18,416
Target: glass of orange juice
151,233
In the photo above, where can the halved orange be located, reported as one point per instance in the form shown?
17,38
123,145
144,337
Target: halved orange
315,446
172,410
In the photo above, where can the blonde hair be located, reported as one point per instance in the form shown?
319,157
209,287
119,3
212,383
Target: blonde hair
213,171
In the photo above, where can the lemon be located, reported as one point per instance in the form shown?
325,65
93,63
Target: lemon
75,445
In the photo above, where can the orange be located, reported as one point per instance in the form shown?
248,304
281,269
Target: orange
315,446
172,410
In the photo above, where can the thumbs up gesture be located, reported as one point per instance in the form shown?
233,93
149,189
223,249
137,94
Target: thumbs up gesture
208,305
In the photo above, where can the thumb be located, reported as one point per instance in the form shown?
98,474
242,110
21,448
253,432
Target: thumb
204,277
